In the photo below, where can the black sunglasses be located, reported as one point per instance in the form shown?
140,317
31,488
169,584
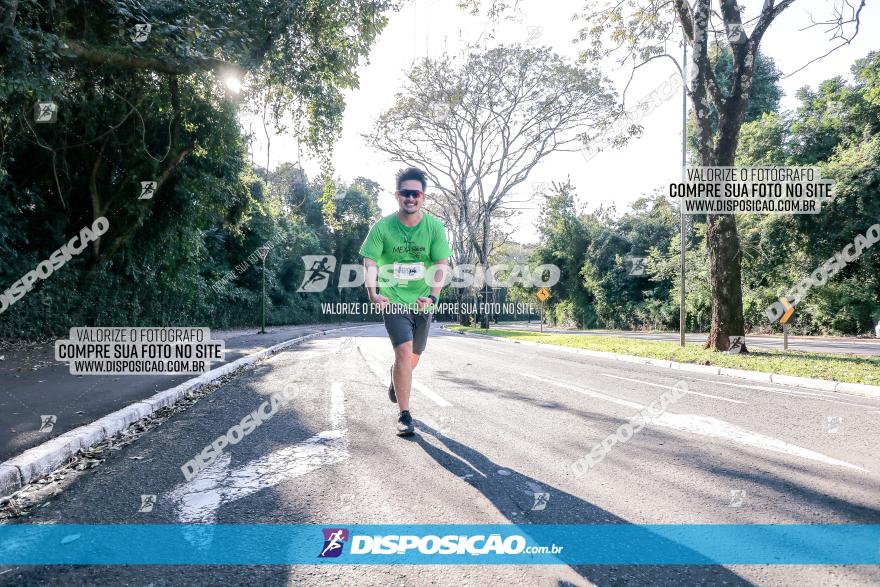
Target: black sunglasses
410,193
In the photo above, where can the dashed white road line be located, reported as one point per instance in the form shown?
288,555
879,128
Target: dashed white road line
373,363
491,351
725,399
711,427
440,401
793,392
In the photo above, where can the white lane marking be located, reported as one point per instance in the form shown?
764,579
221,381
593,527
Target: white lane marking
198,500
386,379
725,399
591,392
430,394
337,406
484,349
712,427
794,390
784,391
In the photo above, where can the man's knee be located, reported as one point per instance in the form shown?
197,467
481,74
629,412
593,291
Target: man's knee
404,351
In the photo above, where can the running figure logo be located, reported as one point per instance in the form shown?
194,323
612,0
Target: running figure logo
148,189
334,540
47,422
45,112
319,268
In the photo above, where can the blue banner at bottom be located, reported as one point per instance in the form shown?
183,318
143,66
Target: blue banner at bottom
413,544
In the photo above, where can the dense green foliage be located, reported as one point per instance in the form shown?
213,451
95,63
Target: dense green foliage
158,110
836,127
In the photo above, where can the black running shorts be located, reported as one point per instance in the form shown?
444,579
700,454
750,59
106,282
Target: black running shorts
404,326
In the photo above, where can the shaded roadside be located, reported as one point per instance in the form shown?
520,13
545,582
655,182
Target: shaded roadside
33,385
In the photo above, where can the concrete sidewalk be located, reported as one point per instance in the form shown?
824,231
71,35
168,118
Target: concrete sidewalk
33,384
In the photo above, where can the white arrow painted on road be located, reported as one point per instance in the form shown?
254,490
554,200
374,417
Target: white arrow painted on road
198,500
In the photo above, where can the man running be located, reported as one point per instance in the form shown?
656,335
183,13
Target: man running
402,250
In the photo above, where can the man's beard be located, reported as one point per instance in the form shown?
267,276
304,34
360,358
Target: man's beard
409,212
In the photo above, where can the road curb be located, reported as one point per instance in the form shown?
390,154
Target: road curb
41,460
872,391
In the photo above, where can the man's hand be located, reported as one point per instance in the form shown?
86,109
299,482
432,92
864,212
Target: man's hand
381,300
424,302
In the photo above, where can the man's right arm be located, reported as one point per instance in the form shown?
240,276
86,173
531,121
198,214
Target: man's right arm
371,278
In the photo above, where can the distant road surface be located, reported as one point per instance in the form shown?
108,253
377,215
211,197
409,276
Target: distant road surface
816,344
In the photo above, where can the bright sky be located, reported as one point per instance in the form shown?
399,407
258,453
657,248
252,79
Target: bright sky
430,27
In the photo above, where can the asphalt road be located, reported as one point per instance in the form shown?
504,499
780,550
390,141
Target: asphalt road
814,344
496,423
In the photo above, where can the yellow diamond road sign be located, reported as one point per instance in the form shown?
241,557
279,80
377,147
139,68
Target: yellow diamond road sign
543,294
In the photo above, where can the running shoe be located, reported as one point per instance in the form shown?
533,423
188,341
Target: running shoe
391,395
405,424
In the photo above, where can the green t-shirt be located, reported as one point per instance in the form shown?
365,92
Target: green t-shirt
405,255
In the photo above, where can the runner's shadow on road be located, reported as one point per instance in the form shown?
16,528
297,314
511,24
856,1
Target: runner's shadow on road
514,495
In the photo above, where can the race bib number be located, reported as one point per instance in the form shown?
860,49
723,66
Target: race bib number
409,271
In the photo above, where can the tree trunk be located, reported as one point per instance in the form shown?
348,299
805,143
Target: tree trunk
725,275
722,245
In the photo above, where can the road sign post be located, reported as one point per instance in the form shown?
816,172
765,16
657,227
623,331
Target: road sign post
789,311
262,252
542,294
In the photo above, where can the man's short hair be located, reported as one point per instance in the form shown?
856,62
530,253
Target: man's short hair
412,173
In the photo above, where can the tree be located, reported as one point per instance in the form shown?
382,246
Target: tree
140,109
643,30
479,129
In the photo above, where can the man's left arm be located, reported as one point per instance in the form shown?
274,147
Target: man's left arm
438,276
440,253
